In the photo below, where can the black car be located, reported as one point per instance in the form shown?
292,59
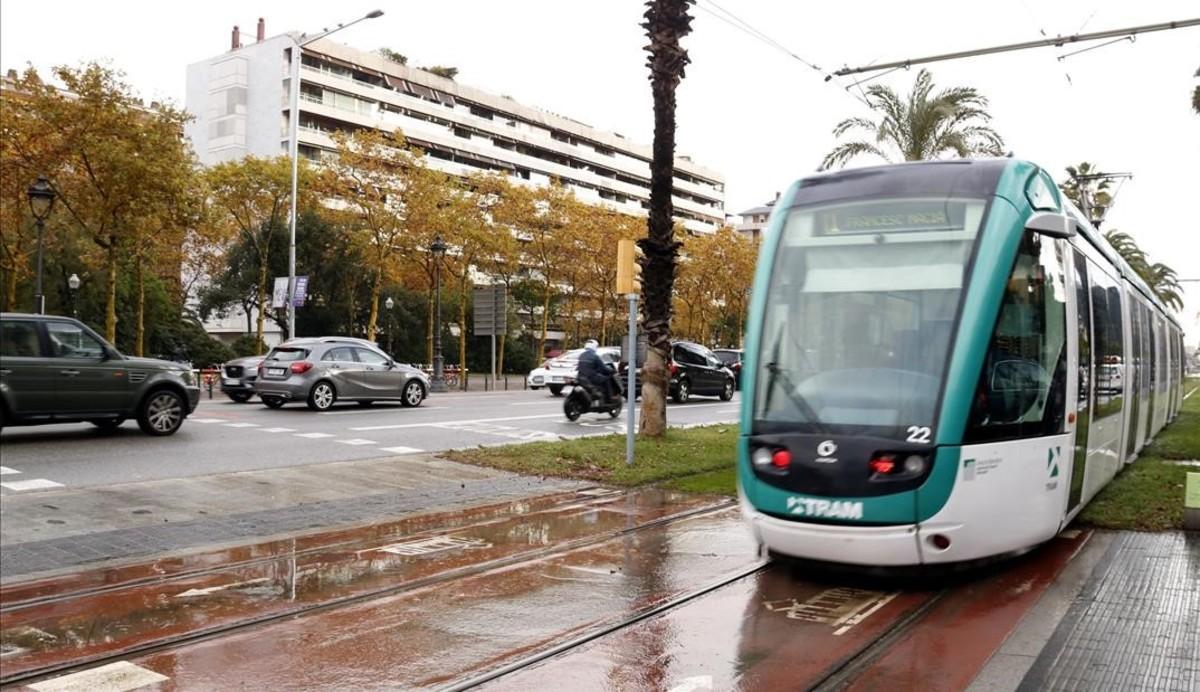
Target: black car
697,370
56,370
238,376
732,359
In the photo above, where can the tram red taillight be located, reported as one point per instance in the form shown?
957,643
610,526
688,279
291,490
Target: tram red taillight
883,463
781,459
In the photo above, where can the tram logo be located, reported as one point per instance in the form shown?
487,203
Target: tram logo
826,451
833,509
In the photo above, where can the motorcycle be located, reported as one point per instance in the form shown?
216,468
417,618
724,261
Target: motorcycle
588,399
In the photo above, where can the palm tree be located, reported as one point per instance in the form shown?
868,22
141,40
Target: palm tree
1161,278
1090,195
667,21
926,126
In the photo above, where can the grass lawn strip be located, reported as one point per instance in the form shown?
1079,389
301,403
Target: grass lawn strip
1148,495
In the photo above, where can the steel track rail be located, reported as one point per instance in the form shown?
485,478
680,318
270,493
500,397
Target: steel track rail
582,639
433,580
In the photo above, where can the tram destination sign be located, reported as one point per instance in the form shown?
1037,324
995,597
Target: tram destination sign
892,216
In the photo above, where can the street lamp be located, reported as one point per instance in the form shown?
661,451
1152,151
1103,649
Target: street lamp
294,152
438,248
73,283
389,304
41,202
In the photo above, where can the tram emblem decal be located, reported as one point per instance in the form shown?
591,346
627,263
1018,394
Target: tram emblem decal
1052,466
825,452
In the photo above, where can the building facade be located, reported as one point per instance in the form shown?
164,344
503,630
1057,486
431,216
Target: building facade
755,220
240,101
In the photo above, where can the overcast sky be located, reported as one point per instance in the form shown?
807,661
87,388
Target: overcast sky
746,109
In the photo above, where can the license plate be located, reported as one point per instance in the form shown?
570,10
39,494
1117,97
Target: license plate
276,371
231,381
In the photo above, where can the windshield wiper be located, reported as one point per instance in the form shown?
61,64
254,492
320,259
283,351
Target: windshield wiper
790,388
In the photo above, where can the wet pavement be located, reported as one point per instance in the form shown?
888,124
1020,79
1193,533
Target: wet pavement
101,613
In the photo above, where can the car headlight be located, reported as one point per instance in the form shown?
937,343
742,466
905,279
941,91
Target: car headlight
189,378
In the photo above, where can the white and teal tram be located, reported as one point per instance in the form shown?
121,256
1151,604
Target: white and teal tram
945,362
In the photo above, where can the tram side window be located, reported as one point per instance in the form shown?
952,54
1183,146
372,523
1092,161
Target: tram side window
1108,344
1022,386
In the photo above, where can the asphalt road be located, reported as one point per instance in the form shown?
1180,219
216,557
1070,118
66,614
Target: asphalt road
222,436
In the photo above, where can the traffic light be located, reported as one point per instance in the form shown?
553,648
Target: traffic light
629,271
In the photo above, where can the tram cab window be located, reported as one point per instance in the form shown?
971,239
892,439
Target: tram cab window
1022,385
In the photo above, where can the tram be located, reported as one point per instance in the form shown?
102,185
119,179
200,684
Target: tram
931,354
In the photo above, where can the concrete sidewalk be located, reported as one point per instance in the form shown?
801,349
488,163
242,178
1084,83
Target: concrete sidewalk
49,532
1124,615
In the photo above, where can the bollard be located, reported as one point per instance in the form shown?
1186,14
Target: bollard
1191,503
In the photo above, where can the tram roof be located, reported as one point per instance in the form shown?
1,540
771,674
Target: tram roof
967,177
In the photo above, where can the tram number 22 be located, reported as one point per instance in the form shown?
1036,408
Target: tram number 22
919,434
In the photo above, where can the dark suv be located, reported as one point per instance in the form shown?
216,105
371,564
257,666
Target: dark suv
237,378
732,359
56,370
697,370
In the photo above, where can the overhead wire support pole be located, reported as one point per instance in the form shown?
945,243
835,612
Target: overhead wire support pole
1057,41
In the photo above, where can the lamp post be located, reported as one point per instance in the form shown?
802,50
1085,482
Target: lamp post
41,202
389,304
73,284
294,152
438,248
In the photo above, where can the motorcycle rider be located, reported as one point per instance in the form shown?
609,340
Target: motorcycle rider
593,372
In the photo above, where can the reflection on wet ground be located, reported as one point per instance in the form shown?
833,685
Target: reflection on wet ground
104,612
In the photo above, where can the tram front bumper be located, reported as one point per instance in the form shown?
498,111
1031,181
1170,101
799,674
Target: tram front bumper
855,545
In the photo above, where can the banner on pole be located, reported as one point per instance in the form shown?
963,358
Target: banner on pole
280,292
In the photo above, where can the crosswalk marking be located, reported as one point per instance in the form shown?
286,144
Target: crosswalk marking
278,430
31,484
314,436
358,441
241,425
4,471
206,420
401,450
114,677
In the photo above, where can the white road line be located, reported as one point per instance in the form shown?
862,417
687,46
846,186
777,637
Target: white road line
357,442
434,424
31,484
386,409
401,450
314,436
206,420
4,471
114,677
242,425
1189,394
278,430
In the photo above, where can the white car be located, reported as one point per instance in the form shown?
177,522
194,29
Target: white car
559,372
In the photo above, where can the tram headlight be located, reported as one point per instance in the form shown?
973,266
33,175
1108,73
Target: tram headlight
761,457
915,464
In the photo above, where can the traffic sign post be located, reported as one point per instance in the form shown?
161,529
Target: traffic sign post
491,316
628,284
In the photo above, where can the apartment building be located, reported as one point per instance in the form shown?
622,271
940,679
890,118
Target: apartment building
240,100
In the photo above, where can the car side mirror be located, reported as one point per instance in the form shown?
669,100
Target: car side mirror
1051,224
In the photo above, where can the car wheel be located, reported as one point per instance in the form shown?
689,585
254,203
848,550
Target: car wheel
240,397
556,389
683,392
414,394
727,392
534,389
321,396
107,425
161,413
272,401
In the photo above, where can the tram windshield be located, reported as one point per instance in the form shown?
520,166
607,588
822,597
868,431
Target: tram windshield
860,313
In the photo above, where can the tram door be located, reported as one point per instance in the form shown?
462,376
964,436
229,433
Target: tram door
1084,376
1133,378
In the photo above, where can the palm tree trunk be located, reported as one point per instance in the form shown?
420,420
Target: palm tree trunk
667,21
110,302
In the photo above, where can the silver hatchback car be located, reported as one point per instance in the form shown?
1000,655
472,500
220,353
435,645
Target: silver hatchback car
323,370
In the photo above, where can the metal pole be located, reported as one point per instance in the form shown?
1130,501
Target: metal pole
631,391
1041,43
438,384
294,152
40,298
